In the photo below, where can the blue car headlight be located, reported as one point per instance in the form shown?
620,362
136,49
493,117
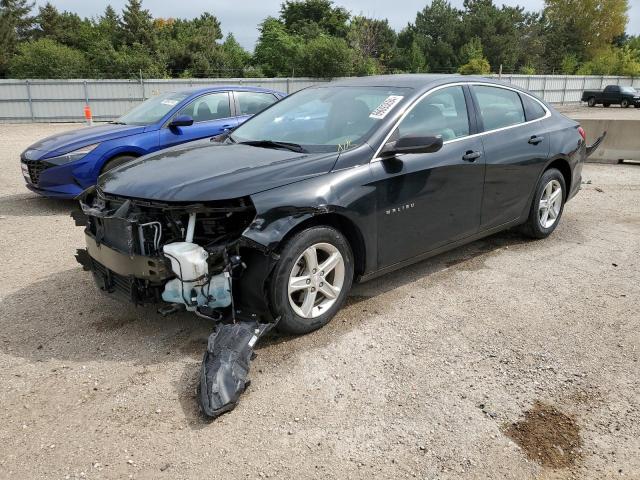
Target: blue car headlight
72,156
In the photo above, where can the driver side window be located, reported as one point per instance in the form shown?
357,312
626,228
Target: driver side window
208,107
444,112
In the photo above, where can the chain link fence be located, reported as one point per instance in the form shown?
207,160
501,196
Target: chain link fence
64,100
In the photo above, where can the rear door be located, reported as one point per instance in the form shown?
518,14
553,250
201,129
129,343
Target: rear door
212,115
516,142
427,200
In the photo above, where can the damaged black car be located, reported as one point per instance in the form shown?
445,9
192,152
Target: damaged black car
334,184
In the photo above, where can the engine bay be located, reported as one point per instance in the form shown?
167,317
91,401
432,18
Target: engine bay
183,254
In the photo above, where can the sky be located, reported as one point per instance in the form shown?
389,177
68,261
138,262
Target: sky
242,17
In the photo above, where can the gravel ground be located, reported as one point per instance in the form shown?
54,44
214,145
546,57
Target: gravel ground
507,358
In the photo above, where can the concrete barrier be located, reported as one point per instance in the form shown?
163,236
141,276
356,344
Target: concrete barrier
622,141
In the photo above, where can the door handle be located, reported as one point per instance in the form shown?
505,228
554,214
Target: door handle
471,156
534,140
226,128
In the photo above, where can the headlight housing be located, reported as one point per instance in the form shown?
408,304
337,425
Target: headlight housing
72,156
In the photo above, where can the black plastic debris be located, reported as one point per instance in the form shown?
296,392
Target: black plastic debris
225,367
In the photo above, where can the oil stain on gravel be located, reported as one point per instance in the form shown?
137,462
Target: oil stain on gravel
547,436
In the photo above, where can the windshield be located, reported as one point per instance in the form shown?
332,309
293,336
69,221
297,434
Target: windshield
152,110
323,119
628,90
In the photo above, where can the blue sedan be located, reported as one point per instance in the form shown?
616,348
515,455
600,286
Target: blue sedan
64,165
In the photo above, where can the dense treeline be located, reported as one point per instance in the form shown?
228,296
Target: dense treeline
317,38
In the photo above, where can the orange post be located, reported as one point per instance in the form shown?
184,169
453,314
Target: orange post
87,114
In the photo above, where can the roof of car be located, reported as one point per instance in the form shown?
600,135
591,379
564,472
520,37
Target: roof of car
220,88
416,81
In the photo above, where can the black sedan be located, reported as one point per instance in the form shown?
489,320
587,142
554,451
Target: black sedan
334,184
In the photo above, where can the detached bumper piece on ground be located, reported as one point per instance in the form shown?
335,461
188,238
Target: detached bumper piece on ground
225,366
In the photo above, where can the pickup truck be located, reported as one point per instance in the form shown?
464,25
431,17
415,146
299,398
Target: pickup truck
612,94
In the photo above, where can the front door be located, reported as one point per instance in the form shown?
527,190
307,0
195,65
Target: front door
211,115
428,200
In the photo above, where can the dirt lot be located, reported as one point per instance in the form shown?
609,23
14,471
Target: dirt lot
435,371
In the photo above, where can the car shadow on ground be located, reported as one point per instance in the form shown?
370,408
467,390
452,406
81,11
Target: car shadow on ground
33,205
65,317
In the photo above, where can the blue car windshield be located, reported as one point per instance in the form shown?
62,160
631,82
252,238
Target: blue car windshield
152,110
323,119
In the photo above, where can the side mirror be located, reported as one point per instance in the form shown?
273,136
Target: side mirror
181,121
413,144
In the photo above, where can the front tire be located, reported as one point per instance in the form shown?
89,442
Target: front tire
311,280
547,206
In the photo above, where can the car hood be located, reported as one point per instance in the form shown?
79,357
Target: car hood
74,139
202,171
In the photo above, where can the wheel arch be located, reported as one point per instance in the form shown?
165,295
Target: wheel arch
341,223
561,164
112,155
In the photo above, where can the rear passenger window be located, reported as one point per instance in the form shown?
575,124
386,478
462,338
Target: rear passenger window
532,109
250,103
444,112
499,107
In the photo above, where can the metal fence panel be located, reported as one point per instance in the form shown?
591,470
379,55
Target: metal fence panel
64,100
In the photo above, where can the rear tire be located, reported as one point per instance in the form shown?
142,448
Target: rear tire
298,282
547,205
591,101
116,162
624,103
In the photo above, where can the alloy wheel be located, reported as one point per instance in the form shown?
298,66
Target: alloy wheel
550,204
316,280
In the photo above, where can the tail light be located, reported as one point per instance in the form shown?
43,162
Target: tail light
582,133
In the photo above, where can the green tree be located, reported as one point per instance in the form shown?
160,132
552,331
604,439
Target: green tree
437,31
593,23
109,27
235,58
137,25
498,29
475,62
46,58
15,26
569,64
471,50
66,28
475,66
409,55
327,57
189,47
309,18
372,38
277,52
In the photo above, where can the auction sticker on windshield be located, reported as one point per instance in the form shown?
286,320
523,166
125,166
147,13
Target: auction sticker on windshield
385,107
171,103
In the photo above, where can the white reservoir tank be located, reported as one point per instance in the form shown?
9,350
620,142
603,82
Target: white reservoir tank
189,263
